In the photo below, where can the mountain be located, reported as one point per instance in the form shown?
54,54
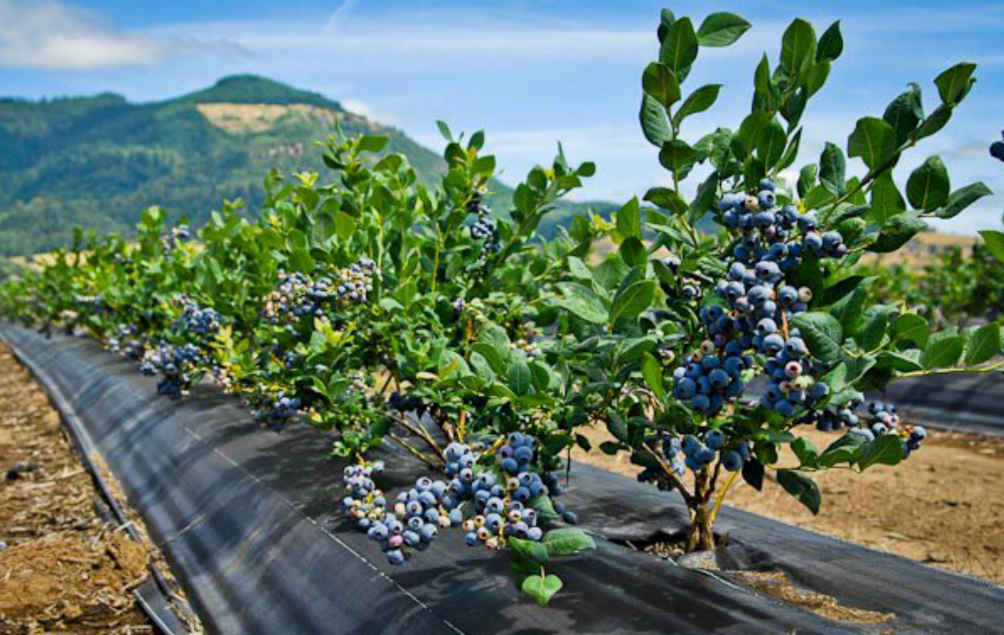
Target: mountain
97,162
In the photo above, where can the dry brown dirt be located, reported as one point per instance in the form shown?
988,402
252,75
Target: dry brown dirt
63,570
943,506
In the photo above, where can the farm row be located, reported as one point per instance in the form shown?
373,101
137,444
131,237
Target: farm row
392,312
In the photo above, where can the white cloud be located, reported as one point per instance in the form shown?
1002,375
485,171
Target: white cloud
58,36
51,35
360,107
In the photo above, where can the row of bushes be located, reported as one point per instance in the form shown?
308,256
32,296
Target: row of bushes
387,311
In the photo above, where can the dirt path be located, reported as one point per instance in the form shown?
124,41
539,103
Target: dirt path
944,505
62,569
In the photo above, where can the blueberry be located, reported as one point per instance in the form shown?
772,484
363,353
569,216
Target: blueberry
732,461
997,150
714,439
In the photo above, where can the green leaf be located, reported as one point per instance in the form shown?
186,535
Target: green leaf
934,123
679,48
963,198
805,451
660,84
583,303
822,333
843,450
444,130
721,29
697,101
872,329
954,84
873,140
910,327
806,179
797,44
753,473
372,143
633,251
831,44
544,507
791,153
902,361
984,343
566,541
666,198
886,200
677,156
850,308
943,353
928,185
518,377
771,145
541,588
905,113
994,241
632,300
802,487
345,225
832,167
654,121
629,219
651,370
897,232
885,450
529,550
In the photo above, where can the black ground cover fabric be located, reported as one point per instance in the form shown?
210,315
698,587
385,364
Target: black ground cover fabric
250,521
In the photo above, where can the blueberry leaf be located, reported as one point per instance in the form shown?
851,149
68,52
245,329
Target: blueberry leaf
962,198
832,166
954,84
721,29
994,241
566,541
885,450
928,185
541,587
654,122
873,140
822,333
984,343
943,353
803,488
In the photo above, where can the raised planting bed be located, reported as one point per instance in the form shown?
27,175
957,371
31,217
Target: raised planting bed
250,520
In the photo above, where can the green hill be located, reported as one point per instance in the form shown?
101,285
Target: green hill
97,162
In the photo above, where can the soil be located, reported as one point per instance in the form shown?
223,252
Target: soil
62,568
942,506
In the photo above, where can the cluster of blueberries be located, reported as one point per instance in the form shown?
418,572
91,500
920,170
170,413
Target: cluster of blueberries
414,519
169,239
696,453
500,501
483,228
296,295
758,305
126,341
197,320
832,417
882,421
174,363
278,411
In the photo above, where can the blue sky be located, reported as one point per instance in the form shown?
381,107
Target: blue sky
529,73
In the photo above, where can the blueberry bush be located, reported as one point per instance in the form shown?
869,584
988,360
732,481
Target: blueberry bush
395,313
705,351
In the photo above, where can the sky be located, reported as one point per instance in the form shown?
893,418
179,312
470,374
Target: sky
530,73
